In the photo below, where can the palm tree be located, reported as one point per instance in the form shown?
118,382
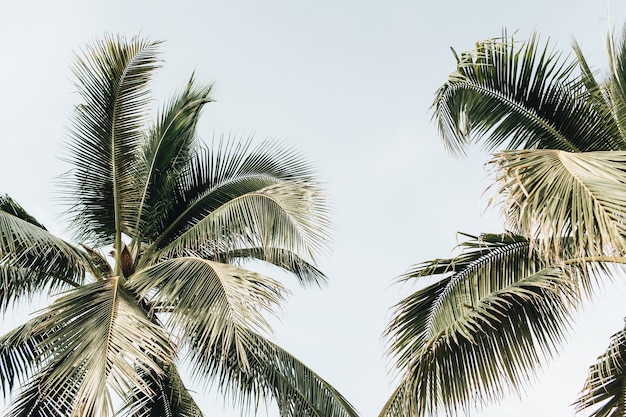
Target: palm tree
485,320
182,222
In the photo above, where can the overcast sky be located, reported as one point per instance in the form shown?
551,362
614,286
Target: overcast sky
348,82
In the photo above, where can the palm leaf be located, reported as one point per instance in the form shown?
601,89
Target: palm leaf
275,373
31,258
112,78
481,329
556,194
32,402
98,339
287,215
232,173
519,96
20,355
306,273
225,299
606,383
171,398
167,152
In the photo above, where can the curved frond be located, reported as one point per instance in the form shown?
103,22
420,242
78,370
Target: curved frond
605,388
32,259
483,328
31,401
274,373
397,403
171,398
288,215
306,273
166,154
520,96
112,78
209,302
554,195
222,178
96,339
20,355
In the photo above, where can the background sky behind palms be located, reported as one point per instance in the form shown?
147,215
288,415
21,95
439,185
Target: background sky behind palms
348,82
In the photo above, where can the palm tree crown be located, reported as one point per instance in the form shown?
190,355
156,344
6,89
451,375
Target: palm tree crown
178,220
488,318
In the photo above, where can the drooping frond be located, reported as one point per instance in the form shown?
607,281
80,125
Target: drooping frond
112,78
482,328
32,259
553,195
32,402
208,302
604,394
170,145
306,273
96,339
20,356
171,398
287,215
520,96
274,373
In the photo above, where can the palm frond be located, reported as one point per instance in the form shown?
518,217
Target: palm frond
31,258
288,215
306,273
553,195
215,178
10,206
20,355
605,388
274,373
112,78
225,299
167,152
519,96
396,405
481,329
171,398
96,339
31,401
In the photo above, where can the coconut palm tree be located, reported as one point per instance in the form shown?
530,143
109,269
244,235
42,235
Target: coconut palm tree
485,320
163,232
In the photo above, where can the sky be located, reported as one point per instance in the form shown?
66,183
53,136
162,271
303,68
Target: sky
350,83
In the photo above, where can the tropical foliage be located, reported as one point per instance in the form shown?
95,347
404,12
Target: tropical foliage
485,320
163,229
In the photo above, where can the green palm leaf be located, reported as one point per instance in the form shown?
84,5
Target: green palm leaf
99,336
287,215
306,273
171,398
275,373
31,401
112,78
20,355
32,258
520,96
555,194
167,153
605,388
230,174
482,328
225,299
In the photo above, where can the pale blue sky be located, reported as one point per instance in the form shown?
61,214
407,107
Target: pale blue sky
348,82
